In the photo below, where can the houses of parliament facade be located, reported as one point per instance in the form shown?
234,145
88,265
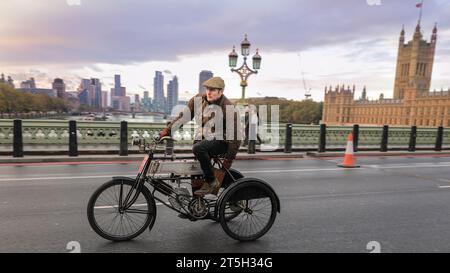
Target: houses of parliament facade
412,103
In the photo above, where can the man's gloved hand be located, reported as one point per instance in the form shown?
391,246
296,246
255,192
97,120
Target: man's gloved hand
227,163
164,133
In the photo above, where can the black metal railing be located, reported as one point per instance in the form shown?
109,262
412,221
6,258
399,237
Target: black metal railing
287,146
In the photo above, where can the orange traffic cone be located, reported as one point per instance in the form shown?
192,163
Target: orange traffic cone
349,161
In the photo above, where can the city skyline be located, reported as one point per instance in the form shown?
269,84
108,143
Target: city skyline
89,92
317,38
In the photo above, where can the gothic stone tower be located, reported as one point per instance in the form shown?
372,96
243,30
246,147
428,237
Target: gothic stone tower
337,104
414,65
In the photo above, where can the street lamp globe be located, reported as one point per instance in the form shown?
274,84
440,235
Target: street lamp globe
232,58
256,60
245,47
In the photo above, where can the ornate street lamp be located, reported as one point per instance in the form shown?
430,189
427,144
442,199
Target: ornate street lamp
233,58
244,71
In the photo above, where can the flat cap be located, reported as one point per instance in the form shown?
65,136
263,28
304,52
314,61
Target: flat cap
215,82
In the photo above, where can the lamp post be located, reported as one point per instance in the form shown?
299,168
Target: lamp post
244,71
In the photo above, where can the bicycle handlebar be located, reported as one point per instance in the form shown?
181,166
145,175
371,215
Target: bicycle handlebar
159,140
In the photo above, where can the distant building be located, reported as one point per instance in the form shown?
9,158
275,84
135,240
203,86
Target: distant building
111,97
121,103
95,93
60,87
412,104
83,97
84,84
90,93
172,94
146,101
118,94
137,102
159,103
122,91
28,84
117,91
204,76
37,91
115,102
104,99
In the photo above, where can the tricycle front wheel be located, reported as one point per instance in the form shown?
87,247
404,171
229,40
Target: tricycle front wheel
107,216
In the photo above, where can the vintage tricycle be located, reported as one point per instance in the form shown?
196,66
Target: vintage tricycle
124,207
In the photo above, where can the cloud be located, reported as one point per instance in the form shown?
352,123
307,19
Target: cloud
38,75
133,31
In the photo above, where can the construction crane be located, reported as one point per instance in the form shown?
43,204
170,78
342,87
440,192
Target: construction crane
307,91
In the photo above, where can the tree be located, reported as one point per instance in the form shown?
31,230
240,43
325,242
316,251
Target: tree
12,101
300,112
59,105
27,102
10,98
2,104
40,103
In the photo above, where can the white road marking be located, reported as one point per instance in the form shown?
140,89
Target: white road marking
116,206
134,205
50,174
299,170
63,177
444,187
407,166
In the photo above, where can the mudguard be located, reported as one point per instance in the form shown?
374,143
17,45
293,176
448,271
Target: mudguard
236,175
246,180
123,178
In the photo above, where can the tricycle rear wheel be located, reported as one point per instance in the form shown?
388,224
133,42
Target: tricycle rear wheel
256,206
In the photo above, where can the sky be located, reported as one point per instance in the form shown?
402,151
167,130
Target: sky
304,44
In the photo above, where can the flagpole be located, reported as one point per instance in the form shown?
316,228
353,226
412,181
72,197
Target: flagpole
420,12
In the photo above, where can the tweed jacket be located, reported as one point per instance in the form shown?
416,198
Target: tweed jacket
205,113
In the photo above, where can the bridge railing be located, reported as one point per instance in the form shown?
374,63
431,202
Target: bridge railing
34,136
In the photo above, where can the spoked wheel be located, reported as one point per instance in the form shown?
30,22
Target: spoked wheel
256,207
230,211
107,216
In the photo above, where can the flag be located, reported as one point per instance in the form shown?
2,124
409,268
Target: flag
419,5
